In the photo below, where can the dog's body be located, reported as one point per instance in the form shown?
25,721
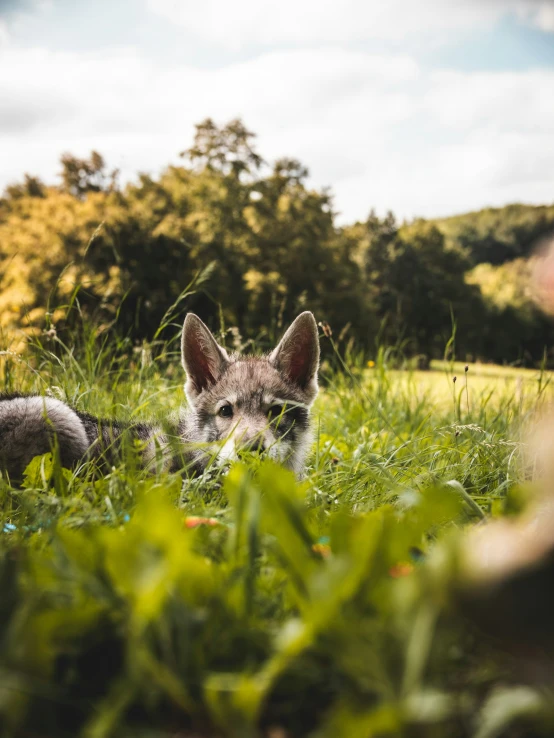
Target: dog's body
31,425
254,403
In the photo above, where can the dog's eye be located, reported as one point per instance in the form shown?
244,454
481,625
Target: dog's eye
275,411
226,411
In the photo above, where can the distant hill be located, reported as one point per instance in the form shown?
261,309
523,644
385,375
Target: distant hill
499,235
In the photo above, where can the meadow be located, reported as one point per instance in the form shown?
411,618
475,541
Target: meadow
246,603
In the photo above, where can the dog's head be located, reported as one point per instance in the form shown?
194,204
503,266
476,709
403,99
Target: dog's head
253,403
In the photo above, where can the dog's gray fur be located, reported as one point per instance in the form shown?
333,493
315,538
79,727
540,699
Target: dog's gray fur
235,403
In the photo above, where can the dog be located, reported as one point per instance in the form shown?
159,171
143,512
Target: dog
258,404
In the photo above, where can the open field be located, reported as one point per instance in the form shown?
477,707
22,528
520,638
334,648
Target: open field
318,608
490,370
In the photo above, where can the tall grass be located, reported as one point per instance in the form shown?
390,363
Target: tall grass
316,608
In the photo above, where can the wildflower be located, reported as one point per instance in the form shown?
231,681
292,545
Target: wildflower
371,364
402,569
326,328
192,521
323,549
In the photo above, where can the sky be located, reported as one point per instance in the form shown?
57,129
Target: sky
423,107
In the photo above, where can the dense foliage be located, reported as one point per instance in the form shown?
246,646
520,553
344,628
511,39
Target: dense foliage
254,245
322,608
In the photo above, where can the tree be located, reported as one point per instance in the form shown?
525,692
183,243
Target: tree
227,149
15,194
31,187
416,284
81,176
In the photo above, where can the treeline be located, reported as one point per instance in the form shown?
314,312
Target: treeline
256,245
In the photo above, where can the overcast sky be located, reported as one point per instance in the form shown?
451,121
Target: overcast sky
425,107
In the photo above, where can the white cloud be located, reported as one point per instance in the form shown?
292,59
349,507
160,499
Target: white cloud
538,13
4,33
380,130
507,101
306,22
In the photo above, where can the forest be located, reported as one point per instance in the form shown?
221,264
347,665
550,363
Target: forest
247,244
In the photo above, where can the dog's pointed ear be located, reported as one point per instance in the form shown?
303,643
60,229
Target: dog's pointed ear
203,358
297,355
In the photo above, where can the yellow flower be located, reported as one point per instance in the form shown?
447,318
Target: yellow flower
371,364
